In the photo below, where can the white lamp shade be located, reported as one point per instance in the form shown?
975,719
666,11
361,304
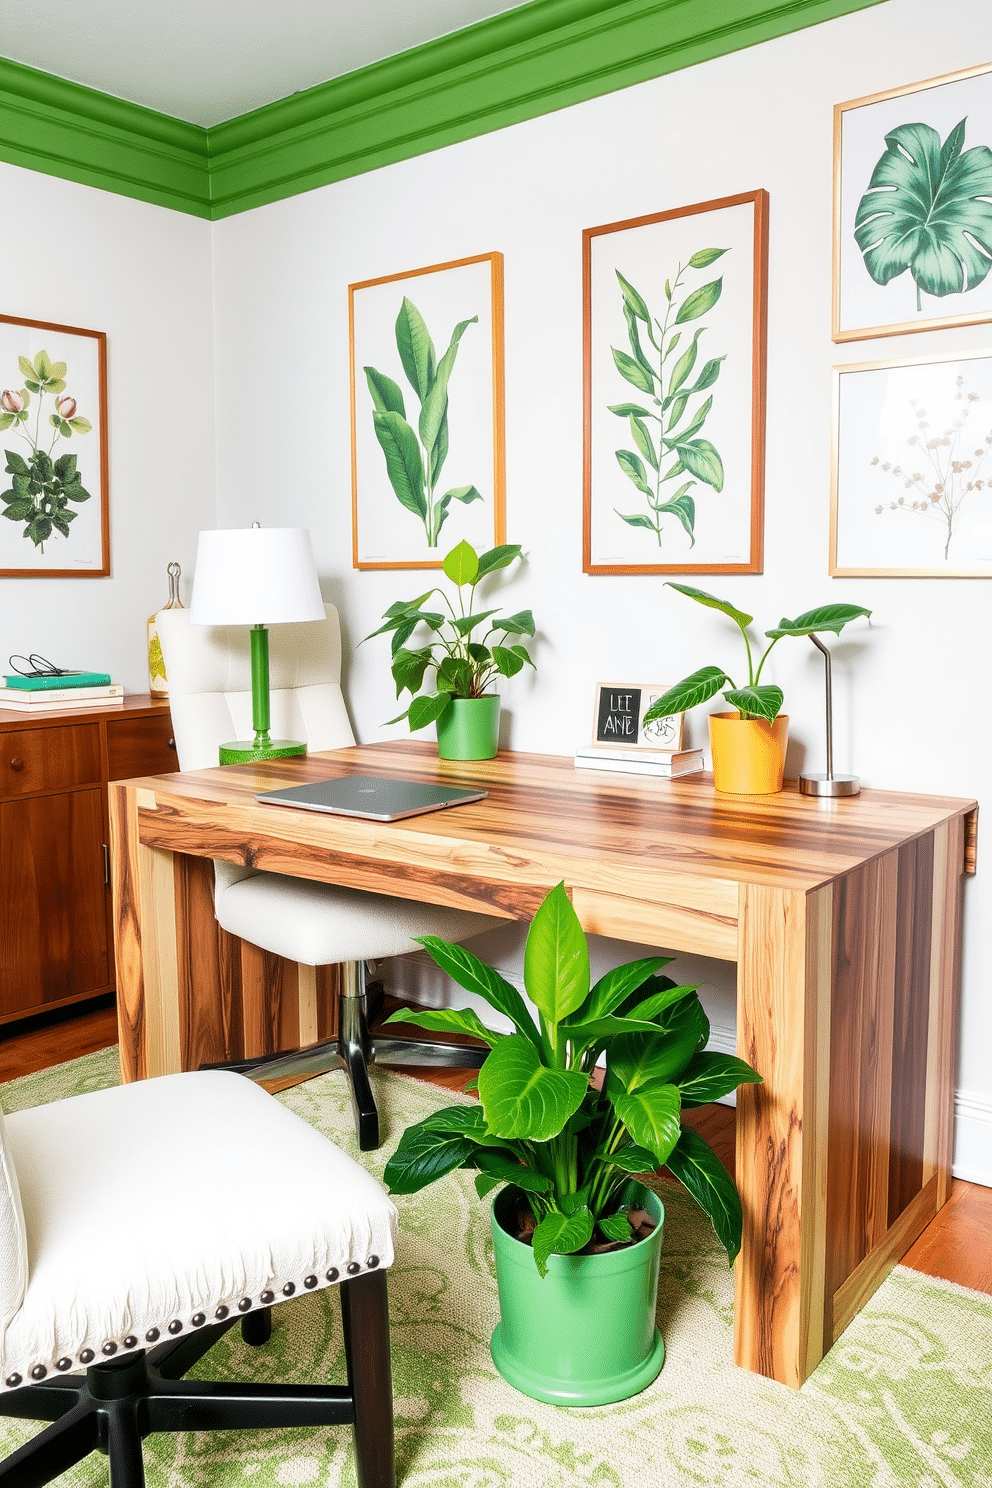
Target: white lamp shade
255,576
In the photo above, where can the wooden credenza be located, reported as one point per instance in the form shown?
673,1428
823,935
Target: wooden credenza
56,939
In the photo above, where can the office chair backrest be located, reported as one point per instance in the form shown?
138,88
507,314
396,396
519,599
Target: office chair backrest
13,1236
209,674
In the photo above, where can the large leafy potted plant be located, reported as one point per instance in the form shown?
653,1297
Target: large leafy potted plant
466,652
748,744
576,1236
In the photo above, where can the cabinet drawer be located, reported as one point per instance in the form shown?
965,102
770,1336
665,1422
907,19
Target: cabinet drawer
49,759
141,746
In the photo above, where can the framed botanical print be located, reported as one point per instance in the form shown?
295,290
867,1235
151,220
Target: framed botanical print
427,457
912,468
913,207
55,516
674,390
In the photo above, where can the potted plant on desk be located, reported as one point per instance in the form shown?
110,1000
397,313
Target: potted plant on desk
462,704
748,745
576,1236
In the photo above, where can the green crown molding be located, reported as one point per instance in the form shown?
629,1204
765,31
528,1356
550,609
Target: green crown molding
529,61
63,129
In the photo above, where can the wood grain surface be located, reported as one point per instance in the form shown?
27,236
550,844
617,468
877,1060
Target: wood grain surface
843,918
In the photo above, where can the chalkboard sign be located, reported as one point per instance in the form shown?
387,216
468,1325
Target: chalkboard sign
618,714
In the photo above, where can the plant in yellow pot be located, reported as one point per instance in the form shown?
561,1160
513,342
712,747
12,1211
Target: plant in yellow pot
749,743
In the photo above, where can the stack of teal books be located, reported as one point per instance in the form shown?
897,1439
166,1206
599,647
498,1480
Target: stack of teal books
48,681
48,693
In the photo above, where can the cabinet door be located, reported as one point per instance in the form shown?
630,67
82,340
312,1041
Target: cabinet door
53,926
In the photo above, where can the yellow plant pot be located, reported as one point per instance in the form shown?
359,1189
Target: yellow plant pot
748,753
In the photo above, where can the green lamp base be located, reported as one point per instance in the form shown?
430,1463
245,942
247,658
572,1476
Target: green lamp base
244,751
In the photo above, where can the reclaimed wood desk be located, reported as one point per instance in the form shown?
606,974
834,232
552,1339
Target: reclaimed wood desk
843,918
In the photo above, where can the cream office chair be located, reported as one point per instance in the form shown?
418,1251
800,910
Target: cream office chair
137,1224
314,924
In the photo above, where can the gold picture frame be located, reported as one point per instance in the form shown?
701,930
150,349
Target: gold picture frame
883,145
651,506
911,468
399,452
53,430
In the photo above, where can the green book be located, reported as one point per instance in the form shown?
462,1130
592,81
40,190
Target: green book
68,679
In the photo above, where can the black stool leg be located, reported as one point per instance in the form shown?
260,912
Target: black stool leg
124,1446
365,1315
256,1327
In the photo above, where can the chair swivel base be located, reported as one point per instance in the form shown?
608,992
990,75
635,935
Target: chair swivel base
114,1405
353,1051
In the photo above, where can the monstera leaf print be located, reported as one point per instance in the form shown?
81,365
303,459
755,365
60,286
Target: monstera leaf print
926,210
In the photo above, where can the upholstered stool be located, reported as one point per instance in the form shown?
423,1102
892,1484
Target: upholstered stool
136,1225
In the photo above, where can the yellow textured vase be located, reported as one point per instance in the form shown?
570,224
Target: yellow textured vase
748,753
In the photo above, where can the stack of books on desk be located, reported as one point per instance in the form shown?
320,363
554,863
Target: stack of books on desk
670,762
46,694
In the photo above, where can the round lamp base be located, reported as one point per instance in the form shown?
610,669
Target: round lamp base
244,751
829,785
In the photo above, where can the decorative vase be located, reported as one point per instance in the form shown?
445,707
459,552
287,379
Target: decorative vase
158,685
584,1334
469,729
748,753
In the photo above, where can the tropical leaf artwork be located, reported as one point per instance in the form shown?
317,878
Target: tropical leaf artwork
928,209
415,458
42,488
671,456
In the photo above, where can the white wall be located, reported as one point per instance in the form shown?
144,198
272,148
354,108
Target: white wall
74,256
265,293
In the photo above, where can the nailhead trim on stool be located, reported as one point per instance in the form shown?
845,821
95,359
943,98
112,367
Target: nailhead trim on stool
266,1298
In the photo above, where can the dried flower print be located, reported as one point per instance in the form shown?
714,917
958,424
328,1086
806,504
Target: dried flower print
944,466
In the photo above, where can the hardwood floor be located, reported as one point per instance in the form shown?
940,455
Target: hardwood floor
957,1246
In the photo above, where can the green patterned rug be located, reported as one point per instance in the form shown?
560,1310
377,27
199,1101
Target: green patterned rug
905,1397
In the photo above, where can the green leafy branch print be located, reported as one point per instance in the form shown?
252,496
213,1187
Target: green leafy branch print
658,431
414,460
926,209
41,488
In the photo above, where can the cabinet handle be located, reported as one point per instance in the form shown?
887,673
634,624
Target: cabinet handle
17,764
172,743
106,862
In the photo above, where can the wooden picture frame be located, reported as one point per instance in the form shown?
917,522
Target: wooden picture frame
423,417
892,152
647,286
53,431
911,469
618,710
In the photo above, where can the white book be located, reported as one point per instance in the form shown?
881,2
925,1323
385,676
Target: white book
628,765
13,697
661,756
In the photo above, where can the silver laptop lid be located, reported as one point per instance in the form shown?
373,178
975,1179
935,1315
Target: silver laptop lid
380,798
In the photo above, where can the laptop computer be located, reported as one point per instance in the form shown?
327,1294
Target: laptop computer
379,798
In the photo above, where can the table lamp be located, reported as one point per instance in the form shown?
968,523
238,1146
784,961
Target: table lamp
828,784
256,576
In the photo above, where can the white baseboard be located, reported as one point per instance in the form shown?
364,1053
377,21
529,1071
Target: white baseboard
972,1138
417,976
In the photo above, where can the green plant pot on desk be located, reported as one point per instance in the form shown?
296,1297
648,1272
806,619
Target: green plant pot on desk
748,745
462,706
577,1235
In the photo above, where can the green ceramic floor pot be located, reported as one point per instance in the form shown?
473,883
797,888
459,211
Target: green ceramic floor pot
469,728
585,1333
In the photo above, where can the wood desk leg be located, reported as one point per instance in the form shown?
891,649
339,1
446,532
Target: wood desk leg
783,1029
145,945
847,1003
